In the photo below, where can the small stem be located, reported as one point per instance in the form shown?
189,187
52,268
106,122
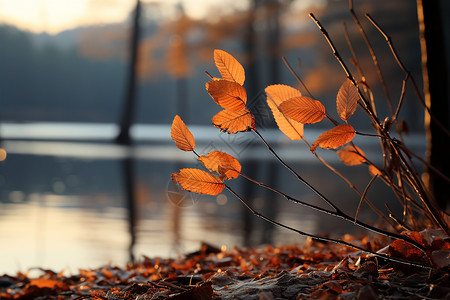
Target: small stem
295,173
374,58
364,195
209,75
297,77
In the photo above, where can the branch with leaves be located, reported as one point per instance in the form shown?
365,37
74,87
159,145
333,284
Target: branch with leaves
291,111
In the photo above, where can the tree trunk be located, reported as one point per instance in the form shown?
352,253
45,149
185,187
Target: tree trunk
435,81
129,102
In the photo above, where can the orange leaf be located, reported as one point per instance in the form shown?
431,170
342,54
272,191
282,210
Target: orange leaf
222,163
351,155
228,94
181,135
234,121
229,67
45,283
303,109
374,171
347,100
334,138
276,94
198,181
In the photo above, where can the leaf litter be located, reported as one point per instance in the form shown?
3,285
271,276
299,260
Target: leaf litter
316,270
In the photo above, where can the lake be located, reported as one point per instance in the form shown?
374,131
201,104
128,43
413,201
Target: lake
70,198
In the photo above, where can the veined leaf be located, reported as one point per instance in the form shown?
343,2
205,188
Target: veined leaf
334,138
280,92
303,109
198,181
181,135
228,94
351,155
229,67
222,163
347,100
234,121
276,94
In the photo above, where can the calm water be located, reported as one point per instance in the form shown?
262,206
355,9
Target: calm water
65,199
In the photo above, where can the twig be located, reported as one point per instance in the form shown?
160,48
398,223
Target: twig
295,173
297,77
338,213
364,195
374,58
367,106
402,66
325,239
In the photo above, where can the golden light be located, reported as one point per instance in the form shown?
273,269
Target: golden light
2,154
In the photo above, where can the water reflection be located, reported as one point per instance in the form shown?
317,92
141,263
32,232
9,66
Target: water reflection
66,205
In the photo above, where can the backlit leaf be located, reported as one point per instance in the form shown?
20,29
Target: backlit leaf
280,92
198,181
229,67
374,171
334,138
228,94
276,94
351,155
303,109
347,100
222,163
181,135
234,121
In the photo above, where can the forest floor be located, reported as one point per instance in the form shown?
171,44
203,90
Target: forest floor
314,271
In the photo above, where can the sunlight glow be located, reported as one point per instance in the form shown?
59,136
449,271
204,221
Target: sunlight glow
53,16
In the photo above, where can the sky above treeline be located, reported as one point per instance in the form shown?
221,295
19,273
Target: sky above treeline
53,16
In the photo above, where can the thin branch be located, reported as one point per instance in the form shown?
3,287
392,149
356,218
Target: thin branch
402,66
325,239
297,77
367,106
364,195
338,213
295,173
374,58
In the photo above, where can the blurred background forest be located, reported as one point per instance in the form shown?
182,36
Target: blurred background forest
64,67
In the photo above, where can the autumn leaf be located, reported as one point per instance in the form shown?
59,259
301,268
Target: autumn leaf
303,109
222,163
234,121
181,135
228,94
347,100
351,155
198,181
276,94
334,138
229,67
45,283
374,171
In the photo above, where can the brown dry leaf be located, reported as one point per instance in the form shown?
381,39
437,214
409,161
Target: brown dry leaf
374,171
229,67
276,94
334,138
181,135
228,94
347,100
303,109
351,155
45,283
234,121
222,163
198,181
